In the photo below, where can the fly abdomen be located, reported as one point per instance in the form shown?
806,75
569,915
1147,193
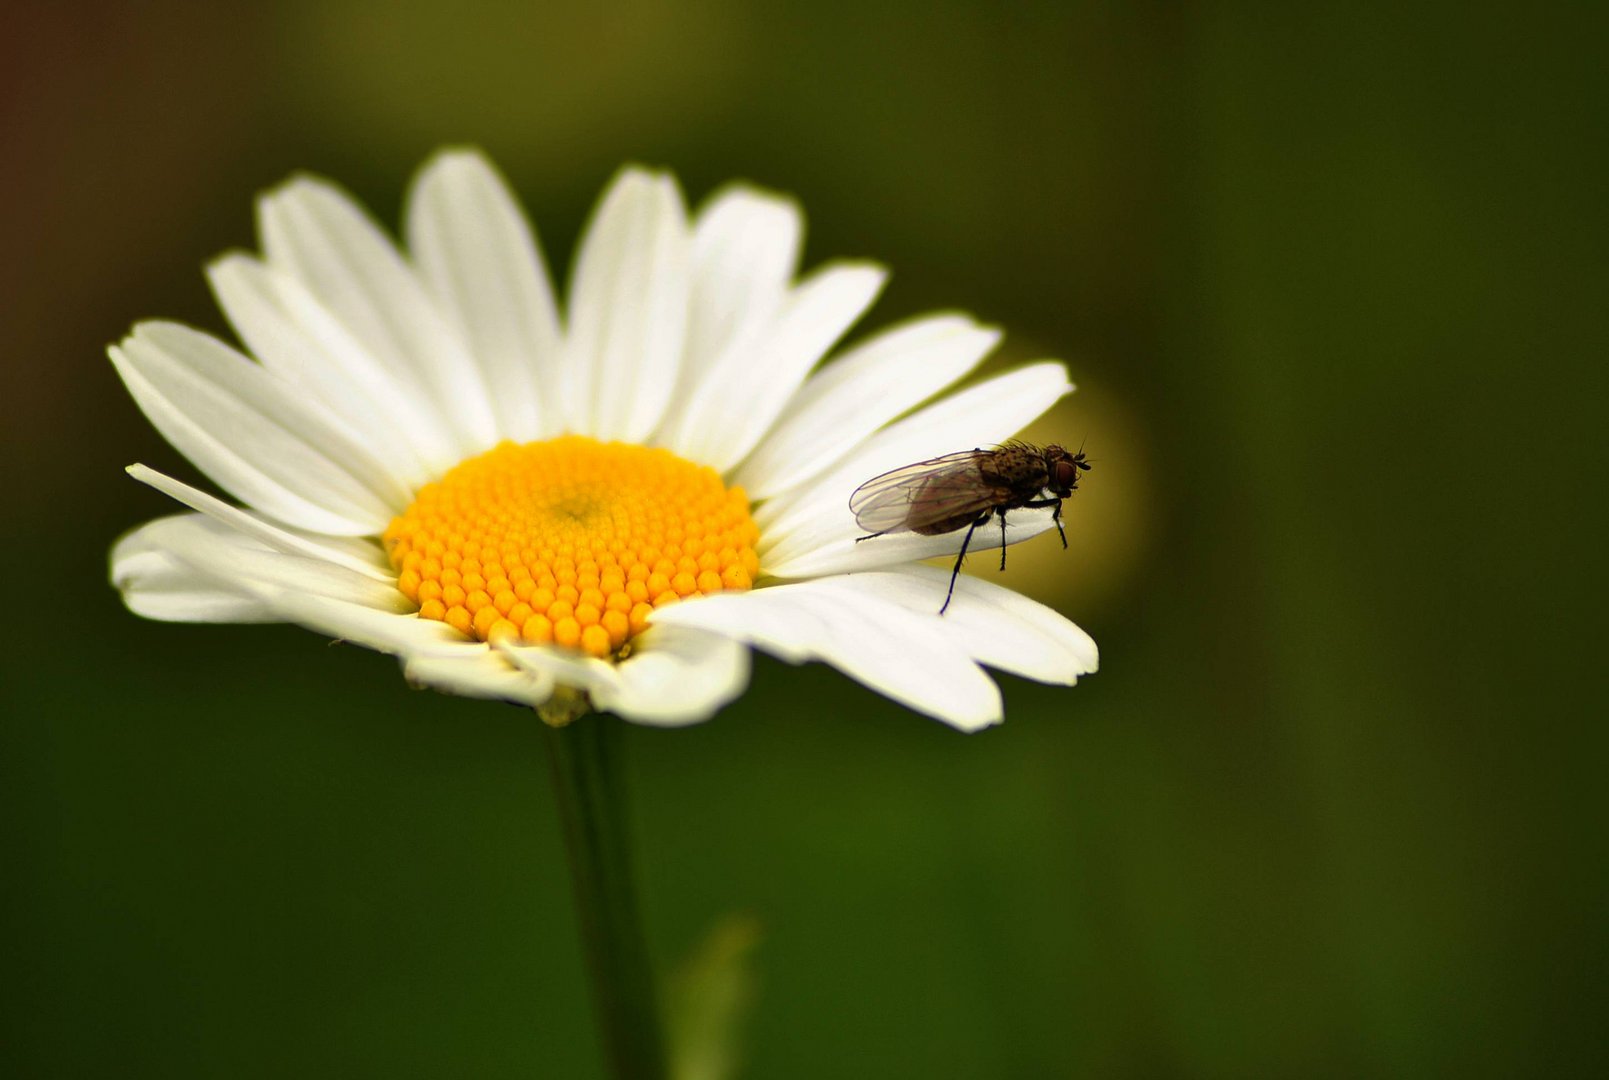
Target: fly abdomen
952,523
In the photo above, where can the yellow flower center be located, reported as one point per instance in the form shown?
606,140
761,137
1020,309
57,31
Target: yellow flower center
570,541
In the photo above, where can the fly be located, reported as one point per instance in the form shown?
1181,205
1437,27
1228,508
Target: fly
963,490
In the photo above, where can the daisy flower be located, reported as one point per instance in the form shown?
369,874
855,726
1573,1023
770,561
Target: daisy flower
605,506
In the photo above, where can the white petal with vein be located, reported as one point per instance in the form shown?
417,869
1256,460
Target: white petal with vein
222,553
313,231
995,625
403,635
479,258
894,651
628,309
157,585
296,338
750,383
358,554
745,251
249,431
860,391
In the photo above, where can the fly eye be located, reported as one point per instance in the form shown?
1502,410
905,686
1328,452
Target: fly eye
1066,474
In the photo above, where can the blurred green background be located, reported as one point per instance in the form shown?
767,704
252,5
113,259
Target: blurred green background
1333,285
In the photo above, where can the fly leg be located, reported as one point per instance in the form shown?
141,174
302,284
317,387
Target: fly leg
1002,515
869,536
959,559
1055,516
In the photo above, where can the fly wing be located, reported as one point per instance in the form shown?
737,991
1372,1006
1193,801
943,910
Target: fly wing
922,494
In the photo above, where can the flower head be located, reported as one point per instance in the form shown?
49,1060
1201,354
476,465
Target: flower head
607,508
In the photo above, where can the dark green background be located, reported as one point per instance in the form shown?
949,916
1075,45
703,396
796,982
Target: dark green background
1334,287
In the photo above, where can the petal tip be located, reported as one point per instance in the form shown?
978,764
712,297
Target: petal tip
227,261
870,269
454,164
746,191
635,174
459,153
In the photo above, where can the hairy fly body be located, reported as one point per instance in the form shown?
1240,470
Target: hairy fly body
963,490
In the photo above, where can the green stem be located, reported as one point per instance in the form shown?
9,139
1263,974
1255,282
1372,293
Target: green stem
590,785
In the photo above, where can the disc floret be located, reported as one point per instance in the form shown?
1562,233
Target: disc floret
570,541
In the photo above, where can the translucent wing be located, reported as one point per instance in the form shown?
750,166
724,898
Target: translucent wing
915,496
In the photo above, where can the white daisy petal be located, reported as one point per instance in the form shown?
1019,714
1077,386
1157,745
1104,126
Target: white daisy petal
854,395
216,550
745,251
479,258
294,337
156,585
995,625
750,384
596,677
248,431
317,234
896,652
479,672
676,676
361,556
817,516
383,631
628,309
230,575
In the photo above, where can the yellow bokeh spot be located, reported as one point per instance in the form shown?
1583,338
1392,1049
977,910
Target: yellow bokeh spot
570,541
